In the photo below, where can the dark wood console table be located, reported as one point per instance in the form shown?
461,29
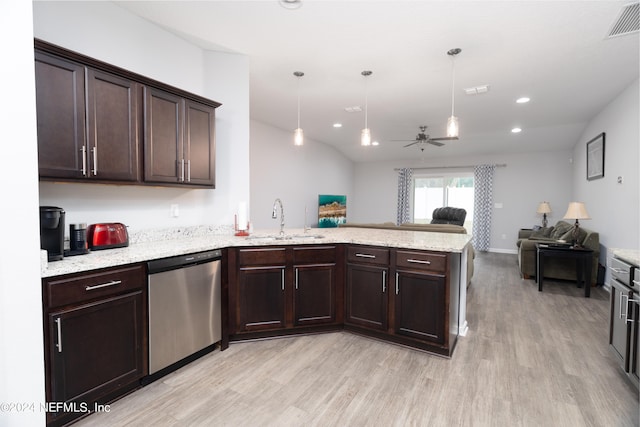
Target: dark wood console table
582,256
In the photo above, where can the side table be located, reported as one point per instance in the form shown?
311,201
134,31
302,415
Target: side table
582,256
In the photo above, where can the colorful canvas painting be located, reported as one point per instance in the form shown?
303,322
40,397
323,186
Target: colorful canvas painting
332,210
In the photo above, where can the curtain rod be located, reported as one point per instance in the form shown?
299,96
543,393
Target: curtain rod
501,165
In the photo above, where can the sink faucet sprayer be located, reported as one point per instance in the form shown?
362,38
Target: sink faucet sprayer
274,214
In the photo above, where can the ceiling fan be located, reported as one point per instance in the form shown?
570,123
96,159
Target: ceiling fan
423,138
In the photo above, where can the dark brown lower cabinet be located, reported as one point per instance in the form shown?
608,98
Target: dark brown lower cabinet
367,299
287,289
420,306
94,339
261,304
314,297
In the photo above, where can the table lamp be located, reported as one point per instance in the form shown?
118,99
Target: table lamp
544,208
576,210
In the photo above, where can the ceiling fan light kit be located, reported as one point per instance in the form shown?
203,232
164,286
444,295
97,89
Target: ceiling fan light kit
298,134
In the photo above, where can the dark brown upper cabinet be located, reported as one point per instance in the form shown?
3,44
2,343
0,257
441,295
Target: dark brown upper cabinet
179,141
98,122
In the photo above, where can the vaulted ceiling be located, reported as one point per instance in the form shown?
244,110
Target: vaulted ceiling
557,53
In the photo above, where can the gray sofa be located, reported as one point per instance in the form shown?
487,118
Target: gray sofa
555,268
434,228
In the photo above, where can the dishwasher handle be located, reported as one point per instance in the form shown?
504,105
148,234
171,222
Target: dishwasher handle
173,263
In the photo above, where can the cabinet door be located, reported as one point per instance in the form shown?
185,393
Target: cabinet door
367,299
314,296
261,303
60,106
420,306
200,144
95,348
619,328
163,136
113,127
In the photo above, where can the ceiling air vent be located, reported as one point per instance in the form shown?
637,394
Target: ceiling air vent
628,21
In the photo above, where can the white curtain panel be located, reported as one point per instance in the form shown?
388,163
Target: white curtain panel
404,195
483,206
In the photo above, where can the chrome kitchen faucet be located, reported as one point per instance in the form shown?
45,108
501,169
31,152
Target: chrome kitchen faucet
274,214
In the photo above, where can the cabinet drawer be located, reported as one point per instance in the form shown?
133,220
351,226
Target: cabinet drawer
314,255
422,261
368,255
93,285
262,256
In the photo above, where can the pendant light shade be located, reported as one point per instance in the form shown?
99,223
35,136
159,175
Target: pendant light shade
453,128
298,134
365,135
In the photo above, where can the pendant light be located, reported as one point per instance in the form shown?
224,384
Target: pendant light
452,122
365,135
298,134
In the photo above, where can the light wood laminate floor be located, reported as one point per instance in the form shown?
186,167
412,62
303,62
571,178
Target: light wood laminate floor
530,359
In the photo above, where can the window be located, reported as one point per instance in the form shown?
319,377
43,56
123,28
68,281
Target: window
431,191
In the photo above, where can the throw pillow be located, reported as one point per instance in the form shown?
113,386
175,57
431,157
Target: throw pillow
543,232
560,229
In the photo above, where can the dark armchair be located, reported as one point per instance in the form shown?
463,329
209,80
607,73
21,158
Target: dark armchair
448,215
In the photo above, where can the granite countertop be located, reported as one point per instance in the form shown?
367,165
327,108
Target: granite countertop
629,255
149,249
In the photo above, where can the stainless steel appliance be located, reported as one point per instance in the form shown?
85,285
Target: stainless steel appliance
624,316
52,232
185,318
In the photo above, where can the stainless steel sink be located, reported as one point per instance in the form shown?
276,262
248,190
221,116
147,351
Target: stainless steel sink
269,237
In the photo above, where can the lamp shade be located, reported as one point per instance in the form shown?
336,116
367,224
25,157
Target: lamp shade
544,208
576,210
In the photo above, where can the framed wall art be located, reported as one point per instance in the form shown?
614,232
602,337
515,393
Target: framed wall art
332,210
595,158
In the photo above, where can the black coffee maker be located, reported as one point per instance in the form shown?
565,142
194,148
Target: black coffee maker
52,232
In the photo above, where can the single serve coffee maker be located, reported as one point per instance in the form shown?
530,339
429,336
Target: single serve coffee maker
52,232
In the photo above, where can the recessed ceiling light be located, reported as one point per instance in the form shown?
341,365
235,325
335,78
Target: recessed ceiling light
523,100
375,143
516,130
337,125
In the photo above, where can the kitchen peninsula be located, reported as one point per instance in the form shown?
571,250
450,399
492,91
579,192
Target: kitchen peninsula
400,286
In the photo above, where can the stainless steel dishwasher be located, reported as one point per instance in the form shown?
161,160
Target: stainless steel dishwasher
184,309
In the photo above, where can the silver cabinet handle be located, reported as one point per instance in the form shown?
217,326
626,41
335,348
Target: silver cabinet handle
626,305
59,327
384,281
182,170
637,282
103,285
282,275
296,278
83,150
397,286
188,170
365,256
418,261
94,150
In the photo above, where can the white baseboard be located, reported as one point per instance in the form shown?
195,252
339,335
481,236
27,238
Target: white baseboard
504,251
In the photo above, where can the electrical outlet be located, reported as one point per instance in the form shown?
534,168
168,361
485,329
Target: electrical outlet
175,210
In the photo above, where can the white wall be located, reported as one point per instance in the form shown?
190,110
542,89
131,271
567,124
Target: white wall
296,175
107,32
21,340
614,208
528,179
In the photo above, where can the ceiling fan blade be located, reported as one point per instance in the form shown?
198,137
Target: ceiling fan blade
436,143
445,138
413,143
